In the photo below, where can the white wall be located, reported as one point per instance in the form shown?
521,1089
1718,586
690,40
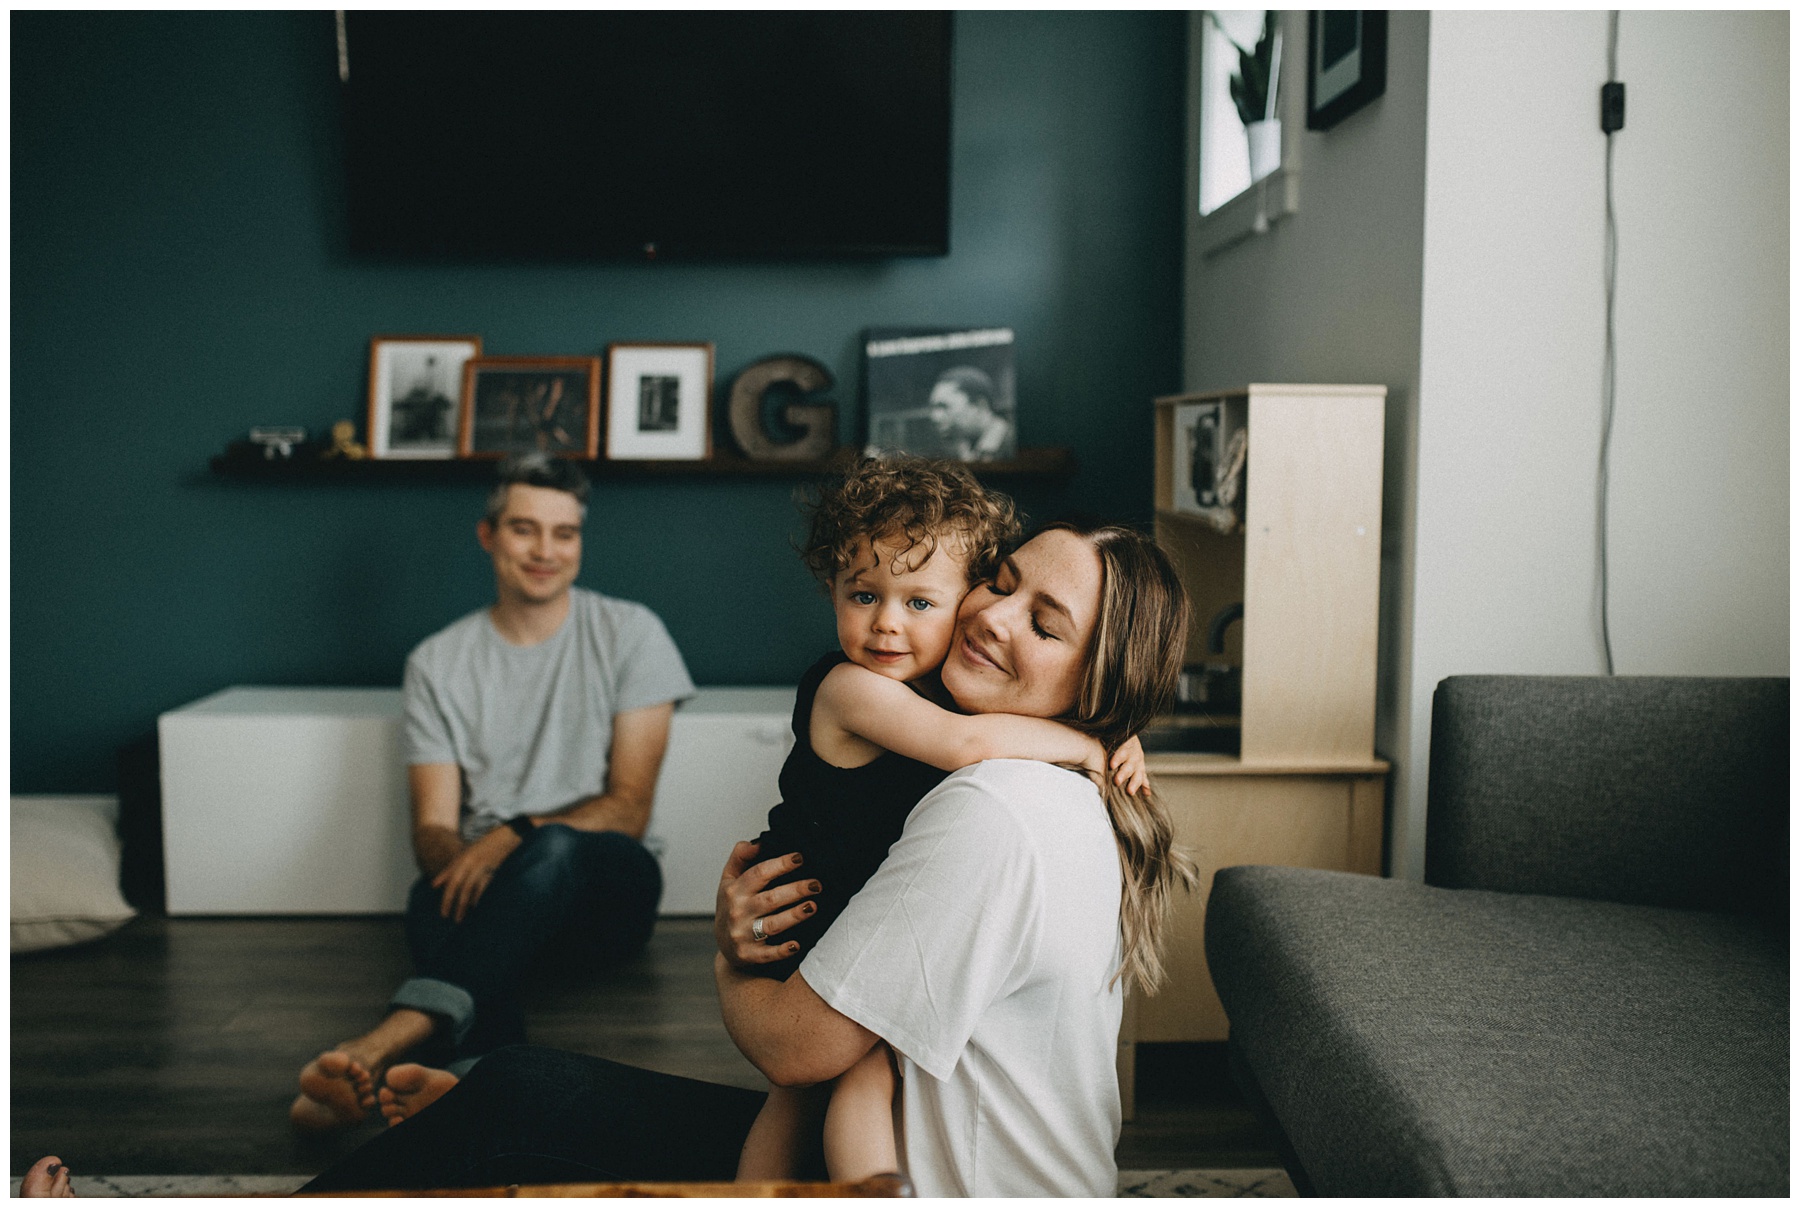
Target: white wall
1448,244
1505,578
1700,550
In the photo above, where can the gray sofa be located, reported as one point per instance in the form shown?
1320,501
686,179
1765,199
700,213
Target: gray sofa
1589,994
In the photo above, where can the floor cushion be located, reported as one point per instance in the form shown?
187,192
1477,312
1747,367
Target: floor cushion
65,871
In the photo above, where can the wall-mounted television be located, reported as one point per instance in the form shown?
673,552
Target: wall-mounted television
606,135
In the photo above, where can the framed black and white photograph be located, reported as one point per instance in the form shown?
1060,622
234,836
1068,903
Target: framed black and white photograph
941,393
415,394
530,404
658,402
1346,63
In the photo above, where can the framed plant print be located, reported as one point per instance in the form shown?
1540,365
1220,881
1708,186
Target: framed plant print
530,404
415,392
658,402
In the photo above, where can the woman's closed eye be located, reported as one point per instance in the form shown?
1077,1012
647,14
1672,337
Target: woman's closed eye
1041,631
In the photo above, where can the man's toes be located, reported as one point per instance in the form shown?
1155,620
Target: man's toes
334,1063
328,1096
407,1078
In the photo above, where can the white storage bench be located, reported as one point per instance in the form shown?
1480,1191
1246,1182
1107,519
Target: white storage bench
294,800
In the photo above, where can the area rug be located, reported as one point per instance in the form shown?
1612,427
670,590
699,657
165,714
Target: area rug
1179,1184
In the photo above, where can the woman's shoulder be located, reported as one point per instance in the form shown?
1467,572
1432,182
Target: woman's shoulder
1025,793
1015,821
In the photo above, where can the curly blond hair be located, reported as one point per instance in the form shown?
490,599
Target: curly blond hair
913,504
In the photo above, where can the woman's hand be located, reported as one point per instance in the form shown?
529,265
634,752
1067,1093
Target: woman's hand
1128,766
743,901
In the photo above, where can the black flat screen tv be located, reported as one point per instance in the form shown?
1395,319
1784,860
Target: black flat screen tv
607,135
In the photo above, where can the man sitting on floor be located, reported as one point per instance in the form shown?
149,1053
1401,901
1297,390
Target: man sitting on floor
534,733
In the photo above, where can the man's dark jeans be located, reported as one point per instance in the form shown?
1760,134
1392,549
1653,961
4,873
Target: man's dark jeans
578,899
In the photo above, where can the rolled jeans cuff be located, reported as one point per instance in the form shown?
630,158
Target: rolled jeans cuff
436,997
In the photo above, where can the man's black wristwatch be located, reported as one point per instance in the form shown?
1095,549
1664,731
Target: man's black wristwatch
521,826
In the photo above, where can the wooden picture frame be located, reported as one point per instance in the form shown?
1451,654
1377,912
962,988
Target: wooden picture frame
415,395
659,402
1346,63
530,404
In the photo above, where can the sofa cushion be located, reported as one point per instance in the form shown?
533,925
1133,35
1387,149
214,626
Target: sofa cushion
1422,1041
1661,790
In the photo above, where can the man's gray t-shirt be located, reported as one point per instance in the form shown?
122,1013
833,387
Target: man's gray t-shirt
531,726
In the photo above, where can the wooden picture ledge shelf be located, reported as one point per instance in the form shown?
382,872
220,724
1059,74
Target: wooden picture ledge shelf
1045,463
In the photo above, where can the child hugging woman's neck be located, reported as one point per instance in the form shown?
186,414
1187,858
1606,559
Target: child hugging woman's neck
897,543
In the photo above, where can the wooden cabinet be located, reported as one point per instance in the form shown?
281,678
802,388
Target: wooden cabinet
1303,558
1226,812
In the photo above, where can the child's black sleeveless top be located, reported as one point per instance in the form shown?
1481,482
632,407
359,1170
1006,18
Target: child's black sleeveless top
843,820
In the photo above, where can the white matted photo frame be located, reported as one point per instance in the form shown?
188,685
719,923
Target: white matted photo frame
415,394
659,402
530,404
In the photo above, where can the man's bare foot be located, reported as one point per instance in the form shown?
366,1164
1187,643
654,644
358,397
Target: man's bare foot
337,1088
48,1177
412,1088
336,1091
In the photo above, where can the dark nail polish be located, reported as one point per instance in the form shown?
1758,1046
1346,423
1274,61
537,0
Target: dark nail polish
807,909
797,857
54,1167
812,886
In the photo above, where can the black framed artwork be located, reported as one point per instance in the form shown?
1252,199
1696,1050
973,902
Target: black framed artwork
1346,63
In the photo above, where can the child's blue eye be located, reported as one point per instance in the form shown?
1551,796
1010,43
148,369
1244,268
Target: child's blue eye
918,605
862,597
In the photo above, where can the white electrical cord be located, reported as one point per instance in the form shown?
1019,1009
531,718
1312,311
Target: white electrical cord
1608,372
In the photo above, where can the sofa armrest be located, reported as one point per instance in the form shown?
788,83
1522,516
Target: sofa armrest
1662,791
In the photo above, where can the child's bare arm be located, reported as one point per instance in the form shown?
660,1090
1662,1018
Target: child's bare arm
895,718
859,1123
779,1135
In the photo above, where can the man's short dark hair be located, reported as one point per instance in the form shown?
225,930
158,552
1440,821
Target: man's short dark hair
537,470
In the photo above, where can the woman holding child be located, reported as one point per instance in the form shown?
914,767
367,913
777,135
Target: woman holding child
984,958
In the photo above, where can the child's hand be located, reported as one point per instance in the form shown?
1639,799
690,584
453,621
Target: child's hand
1128,766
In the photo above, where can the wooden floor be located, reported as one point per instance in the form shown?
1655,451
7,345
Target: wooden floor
172,1046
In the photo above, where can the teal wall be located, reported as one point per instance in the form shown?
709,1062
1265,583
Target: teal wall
178,274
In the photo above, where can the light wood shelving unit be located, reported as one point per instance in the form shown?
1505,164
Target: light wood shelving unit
1306,788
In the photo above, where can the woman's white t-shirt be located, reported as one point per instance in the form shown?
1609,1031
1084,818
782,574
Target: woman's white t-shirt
984,952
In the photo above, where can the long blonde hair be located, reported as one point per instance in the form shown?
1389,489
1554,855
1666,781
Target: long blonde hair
1140,636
